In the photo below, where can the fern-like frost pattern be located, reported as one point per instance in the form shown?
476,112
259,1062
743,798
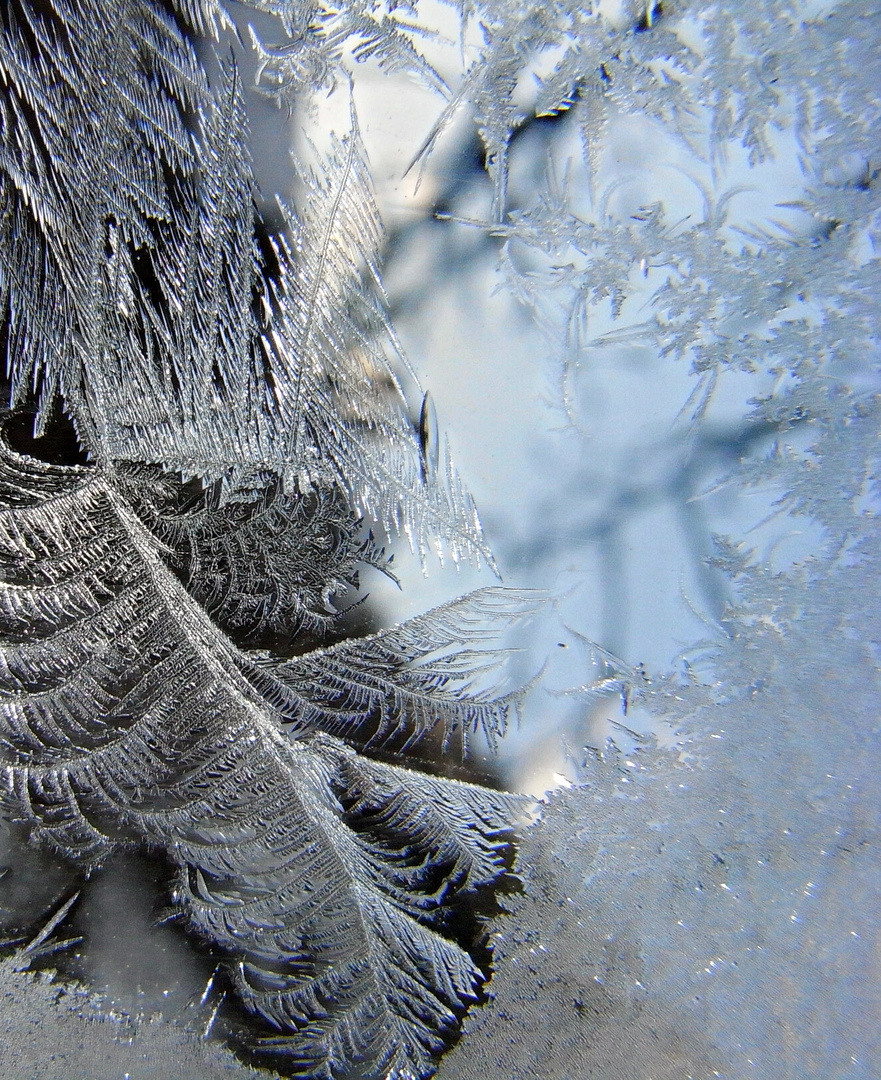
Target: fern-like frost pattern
235,387
327,878
177,328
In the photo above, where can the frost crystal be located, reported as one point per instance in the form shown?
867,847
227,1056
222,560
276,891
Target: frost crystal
234,387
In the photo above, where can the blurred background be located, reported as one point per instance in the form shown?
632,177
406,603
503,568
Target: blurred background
597,459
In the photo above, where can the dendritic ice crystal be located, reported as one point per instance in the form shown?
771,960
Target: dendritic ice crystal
232,386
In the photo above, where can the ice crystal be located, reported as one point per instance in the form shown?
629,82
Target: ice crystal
234,389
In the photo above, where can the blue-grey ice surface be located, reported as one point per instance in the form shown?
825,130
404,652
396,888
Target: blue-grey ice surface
668,339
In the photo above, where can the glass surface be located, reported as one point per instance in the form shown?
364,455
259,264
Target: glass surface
632,255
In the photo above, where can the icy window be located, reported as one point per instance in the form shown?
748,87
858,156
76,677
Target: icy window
631,251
